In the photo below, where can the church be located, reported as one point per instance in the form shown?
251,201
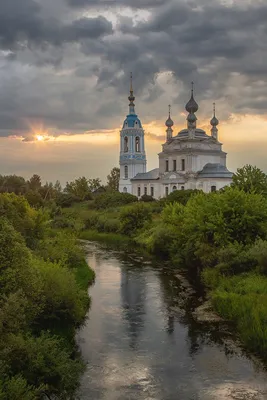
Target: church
190,160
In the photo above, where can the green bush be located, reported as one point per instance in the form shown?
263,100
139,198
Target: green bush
147,199
181,196
113,199
134,217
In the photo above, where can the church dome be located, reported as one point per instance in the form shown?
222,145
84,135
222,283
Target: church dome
169,122
192,106
214,121
132,121
191,118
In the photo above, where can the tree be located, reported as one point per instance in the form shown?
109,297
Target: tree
251,180
94,184
79,188
35,182
113,179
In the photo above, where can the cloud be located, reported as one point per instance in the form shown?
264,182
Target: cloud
23,25
67,63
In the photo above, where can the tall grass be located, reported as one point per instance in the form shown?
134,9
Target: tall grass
243,300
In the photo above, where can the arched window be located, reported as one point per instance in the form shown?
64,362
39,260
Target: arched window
125,144
166,191
174,188
125,190
213,188
182,187
126,172
137,144
152,191
138,191
145,191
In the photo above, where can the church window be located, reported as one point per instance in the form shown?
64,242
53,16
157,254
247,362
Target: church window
183,164
125,190
167,166
145,191
174,188
138,191
126,172
174,165
152,191
166,191
182,187
137,144
125,144
213,188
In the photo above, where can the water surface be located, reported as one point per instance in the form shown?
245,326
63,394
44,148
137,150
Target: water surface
141,342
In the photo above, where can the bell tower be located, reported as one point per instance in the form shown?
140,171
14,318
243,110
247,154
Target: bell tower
132,147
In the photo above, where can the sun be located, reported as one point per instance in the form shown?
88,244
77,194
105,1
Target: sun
40,138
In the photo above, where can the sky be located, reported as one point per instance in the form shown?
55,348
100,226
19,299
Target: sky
64,79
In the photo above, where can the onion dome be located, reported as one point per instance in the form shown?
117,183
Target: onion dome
214,121
169,123
192,106
191,118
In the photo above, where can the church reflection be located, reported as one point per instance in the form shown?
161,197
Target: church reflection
133,298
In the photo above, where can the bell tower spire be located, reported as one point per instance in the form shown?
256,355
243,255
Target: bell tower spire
191,107
214,123
131,98
132,146
169,124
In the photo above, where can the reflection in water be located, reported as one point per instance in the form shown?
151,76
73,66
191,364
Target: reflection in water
141,343
133,303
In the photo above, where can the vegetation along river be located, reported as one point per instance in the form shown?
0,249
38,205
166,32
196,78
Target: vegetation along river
141,342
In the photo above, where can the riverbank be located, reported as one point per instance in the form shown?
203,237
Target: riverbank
220,236
44,299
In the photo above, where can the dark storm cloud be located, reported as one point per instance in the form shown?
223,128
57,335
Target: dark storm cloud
22,24
139,4
70,68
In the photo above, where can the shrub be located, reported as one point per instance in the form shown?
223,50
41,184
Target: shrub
181,196
113,199
146,198
134,217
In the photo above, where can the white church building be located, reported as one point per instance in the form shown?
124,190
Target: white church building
190,160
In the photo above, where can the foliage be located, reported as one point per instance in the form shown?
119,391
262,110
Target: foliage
243,300
113,179
42,361
80,188
211,221
180,196
146,198
24,219
114,199
251,180
12,184
35,183
134,217
40,289
61,247
34,198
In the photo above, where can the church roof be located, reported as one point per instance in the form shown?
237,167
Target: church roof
215,171
153,174
132,121
199,133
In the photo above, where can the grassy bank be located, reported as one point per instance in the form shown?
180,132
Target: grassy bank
222,236
44,298
110,238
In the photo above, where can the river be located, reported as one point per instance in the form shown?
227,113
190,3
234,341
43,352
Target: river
140,341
